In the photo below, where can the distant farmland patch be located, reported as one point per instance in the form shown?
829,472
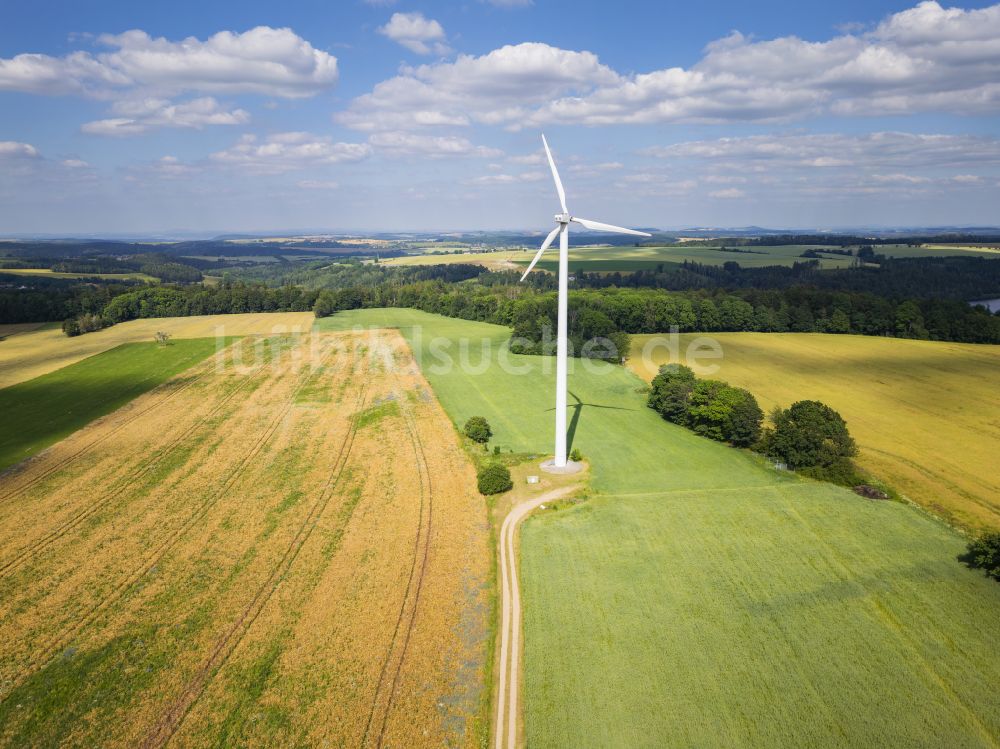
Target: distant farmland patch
48,273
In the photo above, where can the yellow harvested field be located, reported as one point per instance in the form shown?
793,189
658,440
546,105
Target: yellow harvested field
49,273
38,352
288,549
11,329
500,260
925,414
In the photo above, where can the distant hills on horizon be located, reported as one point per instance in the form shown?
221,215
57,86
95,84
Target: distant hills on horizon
510,234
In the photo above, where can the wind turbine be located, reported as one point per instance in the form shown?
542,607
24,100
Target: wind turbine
563,221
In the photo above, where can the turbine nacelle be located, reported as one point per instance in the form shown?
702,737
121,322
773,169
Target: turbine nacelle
563,218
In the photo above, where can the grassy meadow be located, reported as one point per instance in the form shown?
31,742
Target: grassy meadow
702,599
43,410
925,414
46,349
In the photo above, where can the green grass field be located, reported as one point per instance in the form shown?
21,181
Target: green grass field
626,259
702,599
41,411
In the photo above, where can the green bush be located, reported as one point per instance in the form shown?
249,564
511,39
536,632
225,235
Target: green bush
575,455
841,471
984,554
670,391
809,434
478,430
494,479
84,324
722,412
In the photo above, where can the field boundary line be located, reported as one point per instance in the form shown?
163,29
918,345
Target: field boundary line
9,567
414,583
48,651
226,645
21,489
673,492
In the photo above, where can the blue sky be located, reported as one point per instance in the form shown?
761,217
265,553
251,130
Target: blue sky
150,117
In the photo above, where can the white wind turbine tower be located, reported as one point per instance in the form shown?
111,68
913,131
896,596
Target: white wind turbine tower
562,229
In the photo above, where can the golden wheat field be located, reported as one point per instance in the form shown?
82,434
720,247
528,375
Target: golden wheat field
286,549
499,260
925,414
31,353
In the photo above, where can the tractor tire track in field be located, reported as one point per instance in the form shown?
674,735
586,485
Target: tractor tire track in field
35,480
46,652
230,640
25,554
385,691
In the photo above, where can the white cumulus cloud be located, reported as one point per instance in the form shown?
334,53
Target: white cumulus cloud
140,115
263,60
284,152
495,88
417,33
413,144
926,58
13,149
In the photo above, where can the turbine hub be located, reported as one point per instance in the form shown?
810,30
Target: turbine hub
563,218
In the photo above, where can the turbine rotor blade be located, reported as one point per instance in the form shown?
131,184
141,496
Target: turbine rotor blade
598,226
555,176
545,246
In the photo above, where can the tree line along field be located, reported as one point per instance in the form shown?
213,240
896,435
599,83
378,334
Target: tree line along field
288,550
924,413
700,598
46,349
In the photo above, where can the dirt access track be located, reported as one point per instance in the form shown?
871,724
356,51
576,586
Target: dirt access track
283,546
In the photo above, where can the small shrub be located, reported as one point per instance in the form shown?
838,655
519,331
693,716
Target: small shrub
71,327
984,554
870,492
162,337
494,479
478,430
841,472
496,449
84,324
575,455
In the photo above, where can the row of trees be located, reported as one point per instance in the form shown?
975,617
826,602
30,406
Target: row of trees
606,311
711,408
809,436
